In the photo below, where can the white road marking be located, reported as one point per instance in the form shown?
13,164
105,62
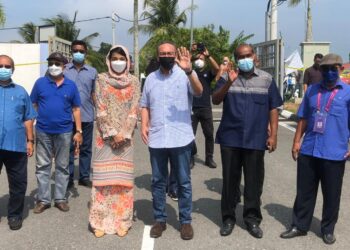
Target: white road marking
285,125
147,241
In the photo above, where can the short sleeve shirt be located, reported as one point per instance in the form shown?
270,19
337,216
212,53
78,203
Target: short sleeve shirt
312,75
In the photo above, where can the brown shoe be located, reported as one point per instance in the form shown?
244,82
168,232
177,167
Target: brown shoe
157,229
63,206
186,231
40,207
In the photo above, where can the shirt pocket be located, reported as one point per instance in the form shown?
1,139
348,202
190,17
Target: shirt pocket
259,99
338,108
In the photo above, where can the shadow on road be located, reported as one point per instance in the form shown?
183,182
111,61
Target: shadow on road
283,214
144,182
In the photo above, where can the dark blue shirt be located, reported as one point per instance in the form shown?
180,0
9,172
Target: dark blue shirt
205,77
246,111
15,109
333,143
55,105
84,78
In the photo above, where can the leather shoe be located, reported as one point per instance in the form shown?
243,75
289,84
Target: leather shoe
255,230
85,183
227,227
40,207
192,162
210,162
15,223
157,229
328,238
292,232
63,206
186,231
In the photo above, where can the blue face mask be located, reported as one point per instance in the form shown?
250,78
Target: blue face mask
5,74
78,57
246,64
330,77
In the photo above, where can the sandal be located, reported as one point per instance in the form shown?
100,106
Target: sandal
98,233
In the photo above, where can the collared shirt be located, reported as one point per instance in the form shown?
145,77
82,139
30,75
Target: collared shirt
55,105
205,77
246,111
169,99
15,109
85,79
312,75
333,143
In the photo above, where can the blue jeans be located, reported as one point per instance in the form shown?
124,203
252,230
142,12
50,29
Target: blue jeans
180,159
47,147
85,153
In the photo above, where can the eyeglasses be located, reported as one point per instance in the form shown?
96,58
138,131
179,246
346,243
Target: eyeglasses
329,67
54,63
79,50
6,66
169,53
244,56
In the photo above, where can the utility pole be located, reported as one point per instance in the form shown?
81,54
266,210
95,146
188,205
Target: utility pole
136,38
273,30
113,28
267,22
191,39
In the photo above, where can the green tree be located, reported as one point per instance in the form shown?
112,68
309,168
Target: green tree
27,32
293,3
2,15
66,29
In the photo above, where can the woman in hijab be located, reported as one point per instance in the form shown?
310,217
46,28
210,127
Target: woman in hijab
117,96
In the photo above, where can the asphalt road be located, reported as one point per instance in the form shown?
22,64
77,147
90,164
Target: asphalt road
57,230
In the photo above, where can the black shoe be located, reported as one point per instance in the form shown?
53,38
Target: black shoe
227,227
173,196
328,238
192,162
210,162
292,232
85,183
15,223
70,184
255,230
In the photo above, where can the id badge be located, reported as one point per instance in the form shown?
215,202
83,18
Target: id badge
320,122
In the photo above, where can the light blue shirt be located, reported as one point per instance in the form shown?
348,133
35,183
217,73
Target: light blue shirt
169,99
85,81
15,109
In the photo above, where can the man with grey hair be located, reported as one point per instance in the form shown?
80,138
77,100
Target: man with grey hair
324,126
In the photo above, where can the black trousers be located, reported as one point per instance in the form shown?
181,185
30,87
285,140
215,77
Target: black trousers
16,169
252,163
205,117
312,171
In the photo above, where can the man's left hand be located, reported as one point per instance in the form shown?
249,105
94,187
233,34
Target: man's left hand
78,140
184,59
347,155
30,149
271,143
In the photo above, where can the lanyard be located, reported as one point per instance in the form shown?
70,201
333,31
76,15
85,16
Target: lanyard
330,100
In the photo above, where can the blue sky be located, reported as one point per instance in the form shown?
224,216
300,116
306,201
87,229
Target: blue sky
330,20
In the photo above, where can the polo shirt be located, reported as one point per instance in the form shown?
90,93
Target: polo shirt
246,111
169,99
55,105
205,77
85,79
333,143
312,75
15,109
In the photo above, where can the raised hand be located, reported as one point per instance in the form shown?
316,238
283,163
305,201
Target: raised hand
184,59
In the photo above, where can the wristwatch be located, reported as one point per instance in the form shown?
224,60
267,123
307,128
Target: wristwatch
32,141
79,131
189,72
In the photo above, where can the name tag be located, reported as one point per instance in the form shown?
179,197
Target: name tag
320,122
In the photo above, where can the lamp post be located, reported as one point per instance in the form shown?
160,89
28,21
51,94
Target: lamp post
114,20
191,39
271,19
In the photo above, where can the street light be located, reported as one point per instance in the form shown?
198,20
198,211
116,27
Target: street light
115,19
271,19
191,39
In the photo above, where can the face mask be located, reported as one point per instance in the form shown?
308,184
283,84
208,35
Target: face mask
5,74
246,64
199,63
167,63
118,66
55,70
78,57
330,77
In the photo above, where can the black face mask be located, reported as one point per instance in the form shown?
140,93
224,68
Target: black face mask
167,63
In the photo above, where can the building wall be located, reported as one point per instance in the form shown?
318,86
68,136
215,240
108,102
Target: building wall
309,49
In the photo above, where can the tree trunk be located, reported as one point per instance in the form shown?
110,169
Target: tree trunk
136,38
309,23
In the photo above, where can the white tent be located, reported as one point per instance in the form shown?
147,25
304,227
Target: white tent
293,63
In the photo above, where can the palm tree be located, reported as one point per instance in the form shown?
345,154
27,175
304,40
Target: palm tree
162,16
309,18
27,32
67,29
2,15
240,39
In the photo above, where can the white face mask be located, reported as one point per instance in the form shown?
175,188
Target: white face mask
55,70
118,66
199,63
